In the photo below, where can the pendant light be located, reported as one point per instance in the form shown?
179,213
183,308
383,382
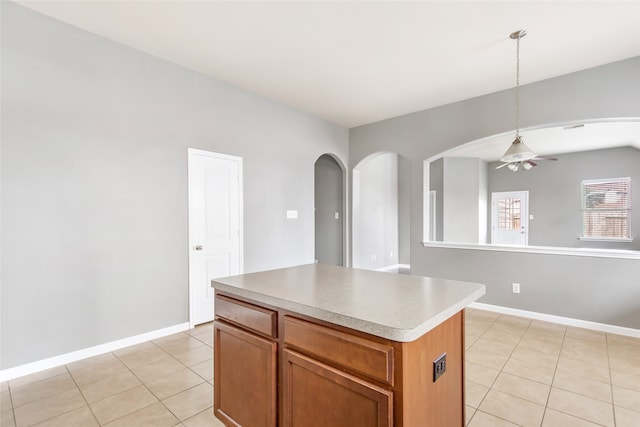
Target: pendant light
518,151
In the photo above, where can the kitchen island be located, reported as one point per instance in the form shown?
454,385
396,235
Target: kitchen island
320,345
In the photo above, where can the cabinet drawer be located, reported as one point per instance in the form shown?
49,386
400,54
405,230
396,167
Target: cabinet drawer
250,316
360,355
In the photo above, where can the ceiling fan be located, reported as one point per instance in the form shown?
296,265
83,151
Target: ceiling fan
527,164
518,155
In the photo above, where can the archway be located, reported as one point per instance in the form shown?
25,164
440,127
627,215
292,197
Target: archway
381,217
329,211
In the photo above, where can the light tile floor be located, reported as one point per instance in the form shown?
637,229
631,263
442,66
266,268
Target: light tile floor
521,372
518,373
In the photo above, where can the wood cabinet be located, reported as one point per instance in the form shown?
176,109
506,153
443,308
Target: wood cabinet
318,395
245,368
277,367
363,357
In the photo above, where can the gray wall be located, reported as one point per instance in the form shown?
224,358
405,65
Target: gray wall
608,91
436,183
94,184
376,215
555,194
464,200
603,290
328,201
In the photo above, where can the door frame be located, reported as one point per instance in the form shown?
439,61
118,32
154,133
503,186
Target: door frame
191,152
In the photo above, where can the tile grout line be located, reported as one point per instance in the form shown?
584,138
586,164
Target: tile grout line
553,378
147,388
580,394
481,400
501,369
491,386
509,358
13,408
180,422
81,394
613,399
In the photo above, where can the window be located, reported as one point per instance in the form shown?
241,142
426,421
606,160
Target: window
606,209
509,214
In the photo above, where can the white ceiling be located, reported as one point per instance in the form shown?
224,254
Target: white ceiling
357,62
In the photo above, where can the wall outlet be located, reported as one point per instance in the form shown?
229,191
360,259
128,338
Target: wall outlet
439,366
374,257
515,287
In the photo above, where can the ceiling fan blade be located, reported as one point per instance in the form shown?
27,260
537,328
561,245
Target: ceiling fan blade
502,165
532,163
544,158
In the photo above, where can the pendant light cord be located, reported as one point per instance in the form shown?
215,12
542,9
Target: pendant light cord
518,87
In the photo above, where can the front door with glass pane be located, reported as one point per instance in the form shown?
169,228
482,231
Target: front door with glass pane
510,218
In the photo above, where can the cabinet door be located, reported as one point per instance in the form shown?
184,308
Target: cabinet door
244,377
317,395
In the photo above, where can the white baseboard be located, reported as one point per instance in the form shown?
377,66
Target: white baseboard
393,267
602,327
74,356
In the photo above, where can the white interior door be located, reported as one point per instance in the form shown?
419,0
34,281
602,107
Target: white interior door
510,218
215,227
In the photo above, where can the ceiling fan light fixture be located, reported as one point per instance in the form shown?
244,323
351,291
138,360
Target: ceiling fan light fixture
517,152
513,166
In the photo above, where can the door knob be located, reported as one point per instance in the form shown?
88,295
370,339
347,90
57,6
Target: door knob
198,248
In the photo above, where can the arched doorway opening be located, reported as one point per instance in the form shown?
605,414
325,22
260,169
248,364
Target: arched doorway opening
381,213
329,211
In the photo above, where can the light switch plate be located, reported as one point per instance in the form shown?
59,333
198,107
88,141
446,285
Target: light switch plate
292,214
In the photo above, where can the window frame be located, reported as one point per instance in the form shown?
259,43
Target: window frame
584,209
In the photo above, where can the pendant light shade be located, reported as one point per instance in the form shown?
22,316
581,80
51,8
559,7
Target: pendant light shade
517,152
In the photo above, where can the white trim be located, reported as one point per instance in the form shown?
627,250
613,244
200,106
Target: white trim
393,267
583,252
602,327
603,239
74,356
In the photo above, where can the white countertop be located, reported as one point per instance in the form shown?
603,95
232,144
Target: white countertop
394,306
